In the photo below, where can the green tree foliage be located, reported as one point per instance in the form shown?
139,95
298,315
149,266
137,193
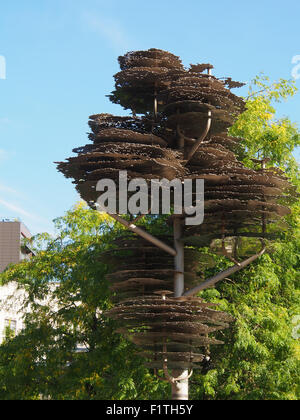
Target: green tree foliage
265,135
260,359
67,292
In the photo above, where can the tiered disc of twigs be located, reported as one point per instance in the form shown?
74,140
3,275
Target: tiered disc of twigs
141,269
238,200
171,331
193,97
164,327
118,146
142,78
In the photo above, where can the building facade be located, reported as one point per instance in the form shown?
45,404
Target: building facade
12,251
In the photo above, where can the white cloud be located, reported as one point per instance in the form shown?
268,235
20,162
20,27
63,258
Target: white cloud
15,209
108,28
35,223
10,208
6,189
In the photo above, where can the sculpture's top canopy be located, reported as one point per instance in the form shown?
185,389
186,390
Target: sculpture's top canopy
181,133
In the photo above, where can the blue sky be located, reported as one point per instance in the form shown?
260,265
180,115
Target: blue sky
61,56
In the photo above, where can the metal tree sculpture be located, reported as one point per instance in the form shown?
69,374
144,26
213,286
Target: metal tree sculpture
182,134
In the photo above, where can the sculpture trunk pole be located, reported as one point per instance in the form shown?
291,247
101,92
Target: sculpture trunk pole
179,258
180,389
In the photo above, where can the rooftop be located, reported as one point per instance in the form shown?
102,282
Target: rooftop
24,230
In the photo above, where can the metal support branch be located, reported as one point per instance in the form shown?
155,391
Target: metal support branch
201,139
205,133
144,234
155,107
183,377
224,274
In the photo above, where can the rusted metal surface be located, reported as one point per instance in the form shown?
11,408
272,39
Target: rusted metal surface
166,328
172,329
181,134
143,269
